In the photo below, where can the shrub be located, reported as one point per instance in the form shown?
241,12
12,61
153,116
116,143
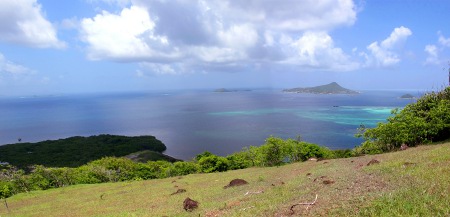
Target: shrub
273,151
213,163
181,168
425,121
239,160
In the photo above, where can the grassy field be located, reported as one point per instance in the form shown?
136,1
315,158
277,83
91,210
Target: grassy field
415,182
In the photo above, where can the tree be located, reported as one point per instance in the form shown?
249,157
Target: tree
425,121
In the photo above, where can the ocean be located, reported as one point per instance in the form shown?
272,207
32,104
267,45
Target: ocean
190,122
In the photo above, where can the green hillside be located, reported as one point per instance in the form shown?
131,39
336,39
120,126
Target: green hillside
413,182
76,151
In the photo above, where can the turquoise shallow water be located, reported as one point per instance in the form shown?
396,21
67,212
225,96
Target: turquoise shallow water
192,122
348,115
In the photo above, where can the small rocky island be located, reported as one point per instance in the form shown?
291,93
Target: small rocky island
331,88
407,96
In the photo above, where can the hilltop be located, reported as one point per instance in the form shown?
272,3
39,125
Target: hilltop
78,150
413,182
331,88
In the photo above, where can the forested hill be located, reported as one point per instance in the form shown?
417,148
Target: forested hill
331,88
76,151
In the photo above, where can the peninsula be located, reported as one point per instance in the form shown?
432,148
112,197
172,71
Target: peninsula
331,88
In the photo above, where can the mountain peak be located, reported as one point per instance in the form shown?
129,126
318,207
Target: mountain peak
331,88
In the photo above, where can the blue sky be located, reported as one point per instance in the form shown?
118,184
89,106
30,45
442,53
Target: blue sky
83,46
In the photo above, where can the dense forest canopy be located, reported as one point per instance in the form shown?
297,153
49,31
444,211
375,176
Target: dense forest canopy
76,151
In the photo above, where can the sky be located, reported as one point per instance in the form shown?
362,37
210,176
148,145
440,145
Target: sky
97,46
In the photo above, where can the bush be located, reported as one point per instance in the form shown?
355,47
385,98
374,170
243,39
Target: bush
425,121
343,153
213,163
239,160
273,151
181,168
6,189
277,151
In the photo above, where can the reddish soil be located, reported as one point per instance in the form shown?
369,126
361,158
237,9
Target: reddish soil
236,182
189,204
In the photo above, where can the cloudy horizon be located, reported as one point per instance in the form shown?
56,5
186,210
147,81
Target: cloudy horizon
49,47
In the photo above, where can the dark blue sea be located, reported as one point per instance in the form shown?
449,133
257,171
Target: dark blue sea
190,122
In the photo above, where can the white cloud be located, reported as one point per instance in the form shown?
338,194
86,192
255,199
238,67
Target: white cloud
23,22
158,68
432,52
11,68
127,36
293,15
238,36
220,34
443,41
386,52
317,50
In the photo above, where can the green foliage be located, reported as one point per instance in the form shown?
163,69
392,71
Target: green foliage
76,151
274,152
277,151
425,121
239,160
343,153
6,189
204,154
181,168
213,163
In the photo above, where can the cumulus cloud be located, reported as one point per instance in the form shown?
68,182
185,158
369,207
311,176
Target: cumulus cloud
317,50
220,34
386,52
127,36
23,22
11,68
294,15
432,52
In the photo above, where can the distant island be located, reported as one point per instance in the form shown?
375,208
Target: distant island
407,96
331,88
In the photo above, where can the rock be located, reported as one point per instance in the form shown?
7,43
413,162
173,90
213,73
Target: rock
327,182
403,147
189,204
236,182
373,161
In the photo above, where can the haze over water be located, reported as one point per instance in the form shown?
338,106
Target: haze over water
192,122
